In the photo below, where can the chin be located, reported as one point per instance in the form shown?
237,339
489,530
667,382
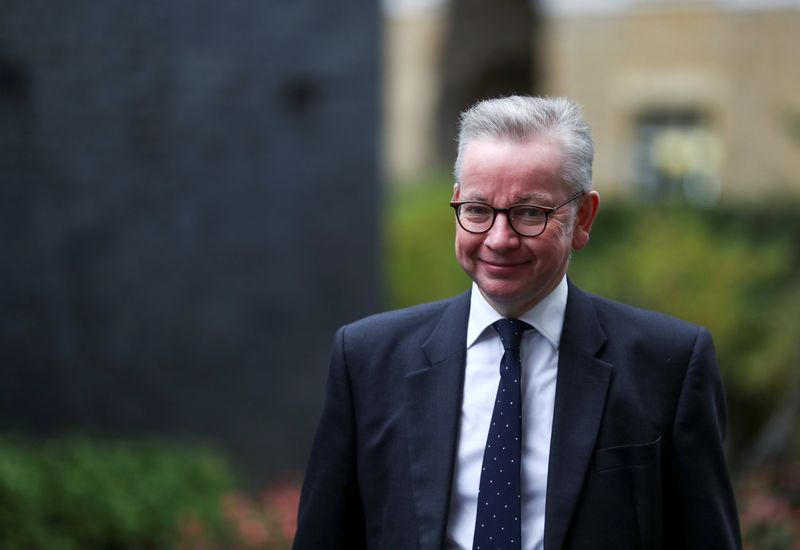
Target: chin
507,300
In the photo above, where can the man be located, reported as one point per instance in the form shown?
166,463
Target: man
524,414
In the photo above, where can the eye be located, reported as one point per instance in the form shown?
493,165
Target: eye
475,210
528,214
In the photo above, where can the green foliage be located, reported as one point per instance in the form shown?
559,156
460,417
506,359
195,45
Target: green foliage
766,536
420,262
73,494
724,269
691,265
732,269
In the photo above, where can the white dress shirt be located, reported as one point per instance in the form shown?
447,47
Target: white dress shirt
482,376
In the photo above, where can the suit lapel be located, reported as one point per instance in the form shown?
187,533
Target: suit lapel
433,397
581,387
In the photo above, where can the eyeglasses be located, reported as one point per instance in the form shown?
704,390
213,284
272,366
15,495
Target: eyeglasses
528,220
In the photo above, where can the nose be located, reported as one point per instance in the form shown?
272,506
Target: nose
501,236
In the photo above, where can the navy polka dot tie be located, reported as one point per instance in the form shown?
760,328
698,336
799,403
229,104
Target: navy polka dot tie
497,524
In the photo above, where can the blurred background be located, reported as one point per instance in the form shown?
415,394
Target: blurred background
168,300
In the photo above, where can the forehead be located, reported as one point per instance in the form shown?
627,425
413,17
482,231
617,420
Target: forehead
512,170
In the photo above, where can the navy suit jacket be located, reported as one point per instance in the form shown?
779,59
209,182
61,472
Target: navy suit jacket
636,455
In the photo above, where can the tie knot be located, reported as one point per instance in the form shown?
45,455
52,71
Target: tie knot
510,331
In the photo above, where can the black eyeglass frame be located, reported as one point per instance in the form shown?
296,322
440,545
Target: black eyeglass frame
548,210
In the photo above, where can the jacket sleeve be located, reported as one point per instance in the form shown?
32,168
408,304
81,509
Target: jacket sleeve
331,512
700,509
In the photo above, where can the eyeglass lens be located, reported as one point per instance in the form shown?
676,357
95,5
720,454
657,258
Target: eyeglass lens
478,217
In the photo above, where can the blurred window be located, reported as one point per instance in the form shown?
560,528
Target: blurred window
677,156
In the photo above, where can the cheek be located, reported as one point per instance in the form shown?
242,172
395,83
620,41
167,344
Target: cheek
466,244
551,250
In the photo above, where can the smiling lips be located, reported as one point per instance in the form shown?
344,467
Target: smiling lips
500,268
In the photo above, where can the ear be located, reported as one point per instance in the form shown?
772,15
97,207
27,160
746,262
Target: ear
584,218
456,189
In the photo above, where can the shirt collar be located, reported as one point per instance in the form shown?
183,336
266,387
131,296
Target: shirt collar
547,317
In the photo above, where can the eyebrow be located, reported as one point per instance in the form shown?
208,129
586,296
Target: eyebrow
533,197
528,198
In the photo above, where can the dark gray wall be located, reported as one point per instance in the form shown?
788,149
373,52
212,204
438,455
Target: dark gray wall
188,204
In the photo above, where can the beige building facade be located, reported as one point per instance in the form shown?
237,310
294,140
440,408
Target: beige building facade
412,40
697,99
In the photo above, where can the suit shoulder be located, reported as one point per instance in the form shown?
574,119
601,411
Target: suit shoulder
649,346
645,321
403,320
397,337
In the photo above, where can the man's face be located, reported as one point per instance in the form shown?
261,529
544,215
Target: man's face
514,272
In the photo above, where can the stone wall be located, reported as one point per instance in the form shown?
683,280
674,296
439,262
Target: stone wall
189,208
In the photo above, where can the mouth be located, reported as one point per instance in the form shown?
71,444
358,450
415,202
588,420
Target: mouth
502,267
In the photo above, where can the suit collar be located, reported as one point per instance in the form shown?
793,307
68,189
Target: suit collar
433,397
449,331
585,332
581,388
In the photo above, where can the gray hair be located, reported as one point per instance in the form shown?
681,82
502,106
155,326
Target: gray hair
521,118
